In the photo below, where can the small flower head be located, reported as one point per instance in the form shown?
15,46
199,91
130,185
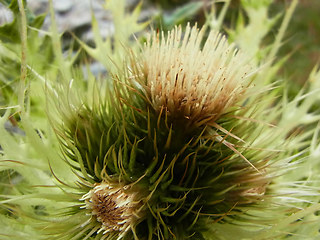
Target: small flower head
191,79
113,207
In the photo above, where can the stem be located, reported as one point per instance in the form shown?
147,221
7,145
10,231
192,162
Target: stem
63,65
23,75
223,13
282,30
217,19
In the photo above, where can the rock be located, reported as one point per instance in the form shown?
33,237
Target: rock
6,15
38,6
62,6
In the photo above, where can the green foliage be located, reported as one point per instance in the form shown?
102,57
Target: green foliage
301,41
125,25
251,33
39,51
180,15
168,3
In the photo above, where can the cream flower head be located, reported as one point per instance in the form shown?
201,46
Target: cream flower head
115,209
190,77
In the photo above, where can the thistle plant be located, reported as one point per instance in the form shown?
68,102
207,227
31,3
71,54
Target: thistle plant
189,137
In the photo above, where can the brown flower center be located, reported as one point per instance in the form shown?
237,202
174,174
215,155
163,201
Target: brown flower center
112,206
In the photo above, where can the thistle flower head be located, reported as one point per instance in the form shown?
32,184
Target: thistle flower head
189,79
115,209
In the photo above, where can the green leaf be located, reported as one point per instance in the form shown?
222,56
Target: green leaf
182,14
10,32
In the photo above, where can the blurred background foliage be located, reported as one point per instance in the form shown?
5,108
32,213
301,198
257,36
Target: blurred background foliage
302,40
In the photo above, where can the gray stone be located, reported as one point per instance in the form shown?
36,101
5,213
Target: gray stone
38,6
62,6
6,15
